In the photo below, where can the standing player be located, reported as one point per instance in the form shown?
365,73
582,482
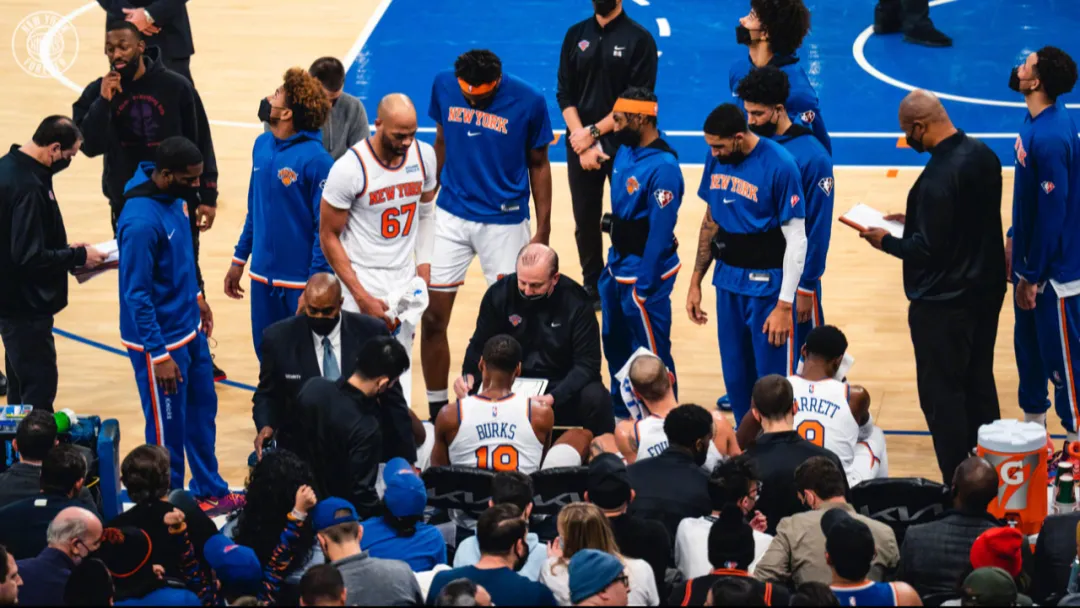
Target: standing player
1046,234
281,230
164,320
774,31
494,429
491,143
763,93
635,287
754,227
377,228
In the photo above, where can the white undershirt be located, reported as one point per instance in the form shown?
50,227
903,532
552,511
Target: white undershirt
335,345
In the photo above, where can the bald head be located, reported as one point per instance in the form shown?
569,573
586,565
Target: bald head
975,484
649,378
396,108
72,527
322,294
922,106
537,269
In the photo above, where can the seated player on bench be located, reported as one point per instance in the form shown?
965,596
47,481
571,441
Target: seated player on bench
832,413
498,430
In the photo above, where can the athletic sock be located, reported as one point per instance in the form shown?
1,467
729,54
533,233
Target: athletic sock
436,400
1040,418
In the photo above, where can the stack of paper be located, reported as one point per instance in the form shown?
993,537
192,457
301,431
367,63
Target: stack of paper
863,217
112,262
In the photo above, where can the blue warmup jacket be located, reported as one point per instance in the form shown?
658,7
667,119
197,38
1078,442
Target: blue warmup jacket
281,231
802,102
647,183
816,168
1046,199
159,310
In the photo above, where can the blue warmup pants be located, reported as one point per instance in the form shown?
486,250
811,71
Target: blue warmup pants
185,421
1057,330
628,322
270,304
817,319
745,352
1032,395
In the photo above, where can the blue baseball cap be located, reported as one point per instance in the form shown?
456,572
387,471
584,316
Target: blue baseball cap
237,566
405,493
591,572
327,513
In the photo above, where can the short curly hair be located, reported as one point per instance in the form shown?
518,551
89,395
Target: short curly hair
305,96
1057,71
785,21
767,85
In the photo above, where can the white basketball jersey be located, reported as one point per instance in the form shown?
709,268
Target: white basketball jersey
824,417
652,441
383,203
496,435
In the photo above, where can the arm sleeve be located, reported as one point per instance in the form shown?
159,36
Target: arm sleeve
425,231
165,10
194,577
90,113
818,188
540,132
791,205
243,246
486,327
1052,175
268,397
643,64
931,230
586,364
28,250
665,198
318,174
566,94
138,243
280,559
208,190
346,181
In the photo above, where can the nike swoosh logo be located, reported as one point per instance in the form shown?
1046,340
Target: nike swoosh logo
614,170
255,169
556,324
471,134
171,233
729,200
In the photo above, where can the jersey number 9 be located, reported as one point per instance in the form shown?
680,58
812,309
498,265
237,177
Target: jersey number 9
503,458
812,431
391,225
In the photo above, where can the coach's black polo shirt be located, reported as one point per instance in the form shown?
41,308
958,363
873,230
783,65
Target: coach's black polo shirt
775,457
598,63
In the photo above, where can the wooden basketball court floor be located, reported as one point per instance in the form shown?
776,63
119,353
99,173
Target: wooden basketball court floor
243,48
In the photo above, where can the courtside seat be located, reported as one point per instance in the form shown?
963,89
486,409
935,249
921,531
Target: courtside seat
460,488
901,502
555,488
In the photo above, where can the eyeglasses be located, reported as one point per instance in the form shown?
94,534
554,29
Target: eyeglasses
624,579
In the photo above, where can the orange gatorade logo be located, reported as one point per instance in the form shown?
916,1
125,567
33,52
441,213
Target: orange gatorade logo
287,176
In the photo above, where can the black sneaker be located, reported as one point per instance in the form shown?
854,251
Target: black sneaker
594,296
219,374
928,36
3,384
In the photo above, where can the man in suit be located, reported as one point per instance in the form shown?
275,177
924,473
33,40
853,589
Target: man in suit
321,343
163,23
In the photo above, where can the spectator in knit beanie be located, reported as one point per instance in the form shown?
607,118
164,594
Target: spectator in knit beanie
1004,548
597,579
126,553
90,584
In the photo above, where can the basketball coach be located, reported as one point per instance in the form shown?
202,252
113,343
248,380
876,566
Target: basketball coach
954,275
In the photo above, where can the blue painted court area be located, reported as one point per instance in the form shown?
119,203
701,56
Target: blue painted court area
859,77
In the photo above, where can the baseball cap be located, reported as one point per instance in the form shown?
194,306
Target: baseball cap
608,484
998,547
405,493
845,534
237,566
990,587
591,571
328,513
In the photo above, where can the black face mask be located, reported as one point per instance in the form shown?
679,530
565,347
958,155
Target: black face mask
742,35
628,137
59,165
264,110
603,7
765,130
700,456
736,157
323,325
532,300
521,559
915,144
128,71
1014,81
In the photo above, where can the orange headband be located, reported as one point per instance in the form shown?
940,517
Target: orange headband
480,89
634,106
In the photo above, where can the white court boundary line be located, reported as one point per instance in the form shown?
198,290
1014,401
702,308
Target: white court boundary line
858,51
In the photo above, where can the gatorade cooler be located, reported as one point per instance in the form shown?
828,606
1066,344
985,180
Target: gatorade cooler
1017,451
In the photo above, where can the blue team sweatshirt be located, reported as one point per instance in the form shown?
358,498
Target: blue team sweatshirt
1046,201
159,310
281,231
816,169
647,183
802,102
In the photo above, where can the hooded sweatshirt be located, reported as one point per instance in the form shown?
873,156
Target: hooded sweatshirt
128,129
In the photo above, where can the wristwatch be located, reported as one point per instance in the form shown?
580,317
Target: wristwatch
594,131
149,18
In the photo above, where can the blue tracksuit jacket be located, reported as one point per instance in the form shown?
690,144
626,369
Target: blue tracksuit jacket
802,102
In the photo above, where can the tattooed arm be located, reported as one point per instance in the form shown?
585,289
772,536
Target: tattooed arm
701,266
